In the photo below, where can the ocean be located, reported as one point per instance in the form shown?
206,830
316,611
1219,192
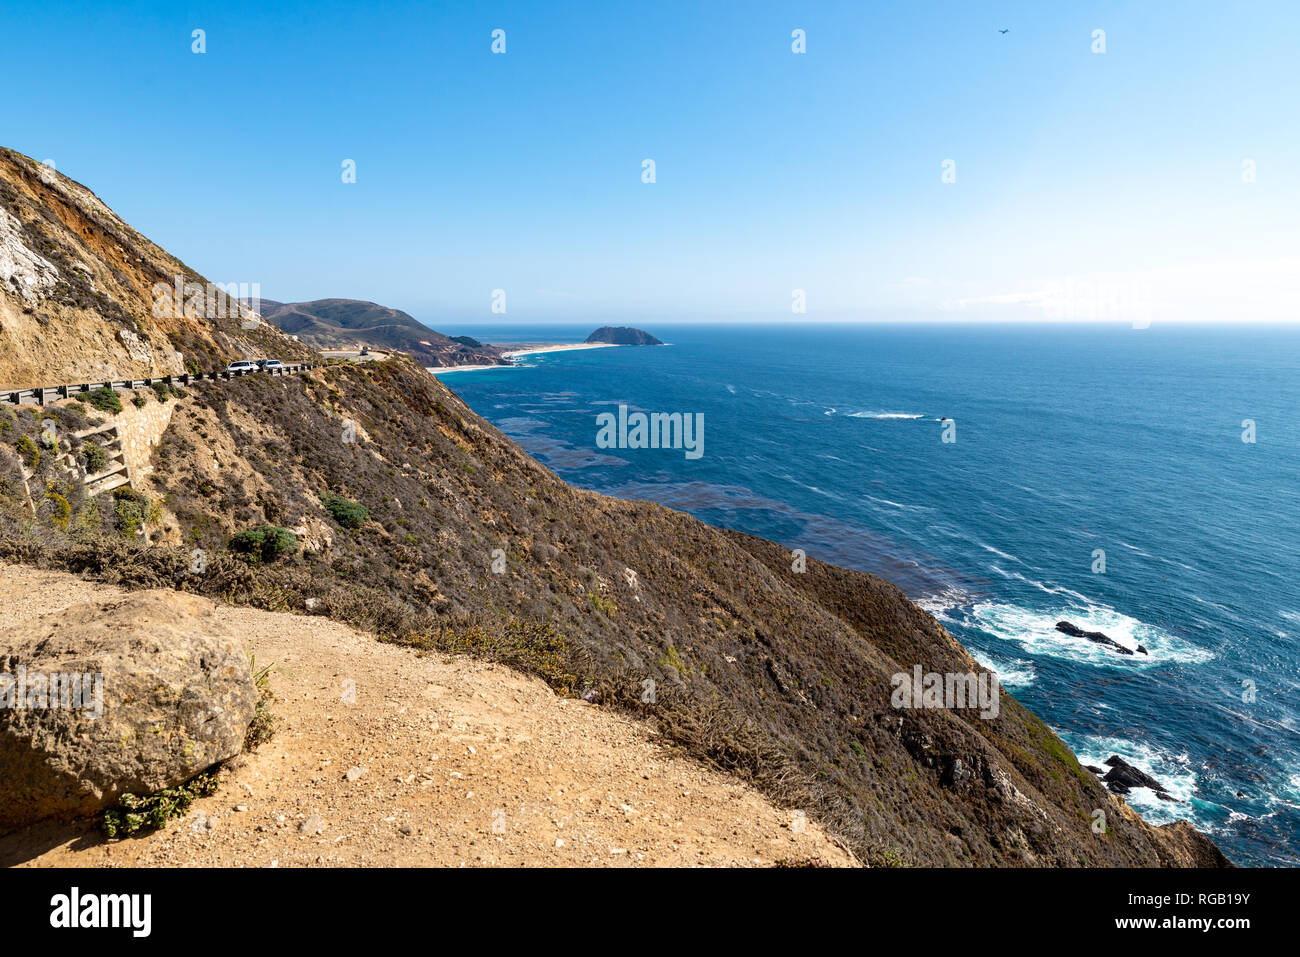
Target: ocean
1140,482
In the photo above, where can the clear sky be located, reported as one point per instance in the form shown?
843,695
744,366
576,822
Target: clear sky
1081,177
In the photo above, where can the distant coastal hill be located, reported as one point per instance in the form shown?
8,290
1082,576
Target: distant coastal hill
623,336
353,323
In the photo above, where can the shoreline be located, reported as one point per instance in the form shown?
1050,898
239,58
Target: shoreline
523,349
531,349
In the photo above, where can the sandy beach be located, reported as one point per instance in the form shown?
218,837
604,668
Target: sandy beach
529,349
523,349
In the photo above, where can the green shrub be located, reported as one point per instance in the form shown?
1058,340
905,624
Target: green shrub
346,512
161,390
136,813
60,509
95,456
129,510
28,451
139,401
265,543
262,727
606,605
104,399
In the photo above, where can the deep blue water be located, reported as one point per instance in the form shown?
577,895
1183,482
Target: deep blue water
1068,439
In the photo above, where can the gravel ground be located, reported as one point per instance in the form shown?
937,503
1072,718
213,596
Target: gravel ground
384,757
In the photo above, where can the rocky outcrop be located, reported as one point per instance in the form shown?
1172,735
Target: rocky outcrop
623,336
1074,631
113,696
1123,777
22,271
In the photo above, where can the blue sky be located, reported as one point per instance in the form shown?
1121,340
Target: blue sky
1081,178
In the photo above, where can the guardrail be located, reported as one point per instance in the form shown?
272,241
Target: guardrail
43,394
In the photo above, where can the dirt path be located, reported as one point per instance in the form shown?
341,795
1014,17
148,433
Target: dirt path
386,758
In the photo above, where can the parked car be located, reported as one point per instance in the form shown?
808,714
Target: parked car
243,365
272,365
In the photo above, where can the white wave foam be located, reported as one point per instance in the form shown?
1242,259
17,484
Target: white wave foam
1035,632
1173,771
884,416
942,603
899,505
1011,674
1000,554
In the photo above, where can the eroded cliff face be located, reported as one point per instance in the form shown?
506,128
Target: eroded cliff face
79,295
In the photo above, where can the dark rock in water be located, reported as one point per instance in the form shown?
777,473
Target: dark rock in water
1124,775
1074,631
623,336
1166,796
1241,794
1143,650
1094,769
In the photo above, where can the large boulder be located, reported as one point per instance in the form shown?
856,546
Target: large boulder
165,692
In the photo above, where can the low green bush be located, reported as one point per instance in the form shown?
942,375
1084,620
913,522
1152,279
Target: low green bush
346,512
60,509
28,451
104,399
154,811
129,510
265,543
95,456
